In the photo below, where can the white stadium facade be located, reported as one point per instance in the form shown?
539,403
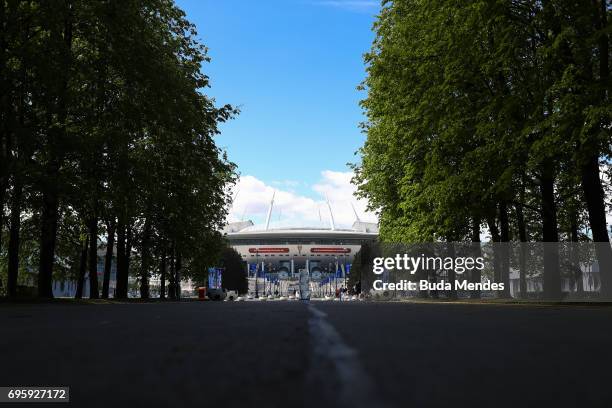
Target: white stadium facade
275,256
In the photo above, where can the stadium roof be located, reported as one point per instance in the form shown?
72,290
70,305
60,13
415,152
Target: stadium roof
246,229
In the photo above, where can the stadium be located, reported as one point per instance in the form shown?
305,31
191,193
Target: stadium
275,256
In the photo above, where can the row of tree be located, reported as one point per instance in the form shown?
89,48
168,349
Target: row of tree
107,138
491,114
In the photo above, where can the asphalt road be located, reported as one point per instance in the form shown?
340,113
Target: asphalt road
317,354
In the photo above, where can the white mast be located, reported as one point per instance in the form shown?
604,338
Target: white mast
331,214
355,212
270,210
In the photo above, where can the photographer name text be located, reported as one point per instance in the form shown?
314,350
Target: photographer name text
424,284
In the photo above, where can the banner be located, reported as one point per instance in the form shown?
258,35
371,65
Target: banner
215,278
252,269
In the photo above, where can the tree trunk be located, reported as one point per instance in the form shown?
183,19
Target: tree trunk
122,277
129,244
171,288
591,181
145,259
574,257
594,198
3,186
550,235
522,231
48,236
82,269
495,238
57,139
476,274
162,278
5,115
3,183
450,252
177,279
504,250
13,245
108,260
93,258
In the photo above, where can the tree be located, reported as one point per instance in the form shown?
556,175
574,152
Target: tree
234,271
481,110
93,152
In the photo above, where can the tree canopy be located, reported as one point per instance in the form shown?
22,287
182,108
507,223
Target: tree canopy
490,113
107,133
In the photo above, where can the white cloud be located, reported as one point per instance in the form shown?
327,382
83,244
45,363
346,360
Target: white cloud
338,187
293,210
289,185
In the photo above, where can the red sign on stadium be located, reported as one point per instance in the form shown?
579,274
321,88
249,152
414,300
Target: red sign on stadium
269,250
330,250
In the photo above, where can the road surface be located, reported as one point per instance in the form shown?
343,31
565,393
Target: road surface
317,354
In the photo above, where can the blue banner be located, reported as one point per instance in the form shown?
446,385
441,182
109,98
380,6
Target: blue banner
215,278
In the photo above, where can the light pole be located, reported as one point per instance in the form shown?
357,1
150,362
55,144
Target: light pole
268,286
344,269
360,270
256,272
336,277
269,279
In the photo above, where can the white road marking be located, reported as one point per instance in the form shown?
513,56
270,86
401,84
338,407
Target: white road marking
356,388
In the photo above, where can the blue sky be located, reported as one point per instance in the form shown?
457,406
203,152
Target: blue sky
292,66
